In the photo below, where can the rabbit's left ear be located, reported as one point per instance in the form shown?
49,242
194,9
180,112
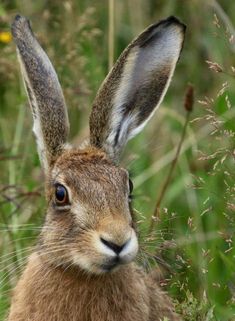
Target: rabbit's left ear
135,86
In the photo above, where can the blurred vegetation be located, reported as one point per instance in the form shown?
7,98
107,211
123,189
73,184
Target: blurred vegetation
193,241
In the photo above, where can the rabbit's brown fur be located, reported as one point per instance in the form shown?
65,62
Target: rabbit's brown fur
50,294
82,267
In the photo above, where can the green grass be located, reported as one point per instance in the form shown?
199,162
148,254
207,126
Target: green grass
195,236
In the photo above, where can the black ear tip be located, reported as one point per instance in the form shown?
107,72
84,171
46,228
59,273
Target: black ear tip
19,25
17,17
155,29
19,20
174,20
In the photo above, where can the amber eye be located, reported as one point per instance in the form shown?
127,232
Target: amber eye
61,195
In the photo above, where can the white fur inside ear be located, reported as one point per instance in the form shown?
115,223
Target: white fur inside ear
121,98
37,130
140,67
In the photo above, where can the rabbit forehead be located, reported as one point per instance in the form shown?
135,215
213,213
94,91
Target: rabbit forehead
91,178
90,162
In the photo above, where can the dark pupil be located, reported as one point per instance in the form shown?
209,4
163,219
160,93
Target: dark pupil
60,193
130,186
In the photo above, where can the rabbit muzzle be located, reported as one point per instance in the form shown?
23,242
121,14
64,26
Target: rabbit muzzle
107,249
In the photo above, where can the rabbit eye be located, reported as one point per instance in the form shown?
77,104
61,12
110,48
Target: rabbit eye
130,186
61,195
130,197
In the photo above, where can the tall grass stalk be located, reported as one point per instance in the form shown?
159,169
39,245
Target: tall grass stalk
188,105
156,214
111,37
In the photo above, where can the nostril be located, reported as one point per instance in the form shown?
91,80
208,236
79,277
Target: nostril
115,247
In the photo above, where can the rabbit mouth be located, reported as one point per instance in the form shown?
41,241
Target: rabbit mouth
111,265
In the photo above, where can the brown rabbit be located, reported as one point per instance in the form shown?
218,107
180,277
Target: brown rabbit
82,268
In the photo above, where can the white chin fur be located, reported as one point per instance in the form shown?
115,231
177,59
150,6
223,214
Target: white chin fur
87,266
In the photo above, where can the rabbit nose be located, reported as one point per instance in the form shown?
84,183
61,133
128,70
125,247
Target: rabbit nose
117,248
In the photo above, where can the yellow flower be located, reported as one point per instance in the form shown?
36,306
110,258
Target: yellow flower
5,36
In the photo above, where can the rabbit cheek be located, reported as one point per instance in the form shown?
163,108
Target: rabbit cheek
85,256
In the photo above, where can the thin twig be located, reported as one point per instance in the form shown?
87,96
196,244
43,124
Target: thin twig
188,106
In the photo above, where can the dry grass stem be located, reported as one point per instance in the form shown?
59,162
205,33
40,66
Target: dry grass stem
188,105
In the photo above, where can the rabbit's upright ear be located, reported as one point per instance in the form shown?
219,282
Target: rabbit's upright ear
49,111
135,86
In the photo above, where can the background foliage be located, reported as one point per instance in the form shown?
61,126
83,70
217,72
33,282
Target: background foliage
193,239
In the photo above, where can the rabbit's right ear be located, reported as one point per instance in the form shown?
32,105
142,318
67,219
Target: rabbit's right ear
135,86
46,99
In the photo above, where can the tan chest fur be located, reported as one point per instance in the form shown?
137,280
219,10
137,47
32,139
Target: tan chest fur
44,294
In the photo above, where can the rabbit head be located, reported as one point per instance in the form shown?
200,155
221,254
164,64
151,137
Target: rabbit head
89,221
